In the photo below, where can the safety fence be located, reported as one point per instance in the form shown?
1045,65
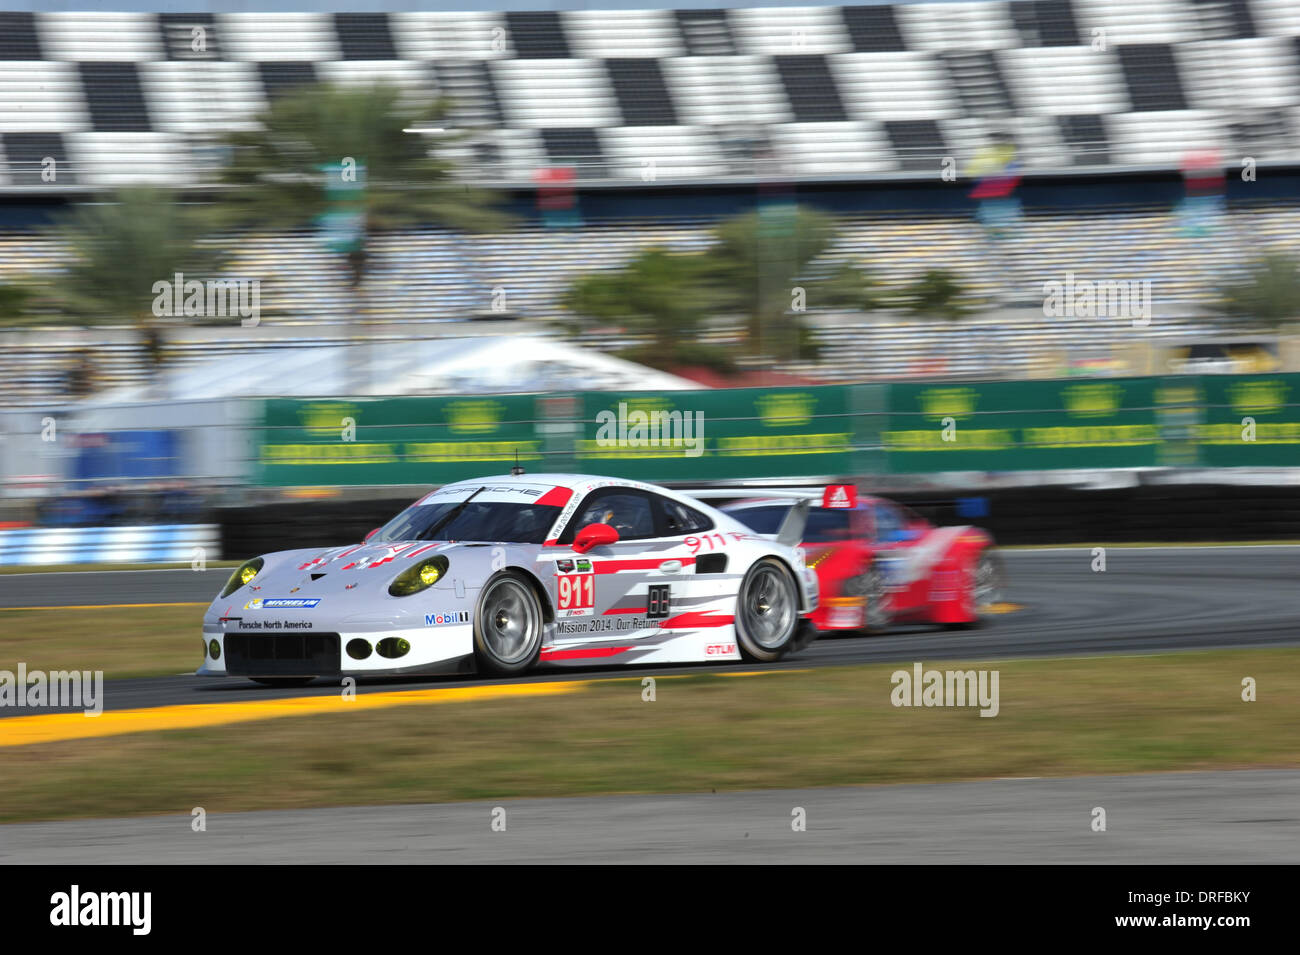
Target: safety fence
155,543
1205,421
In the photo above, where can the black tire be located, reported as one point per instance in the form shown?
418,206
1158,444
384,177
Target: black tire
877,615
767,611
282,681
987,583
508,625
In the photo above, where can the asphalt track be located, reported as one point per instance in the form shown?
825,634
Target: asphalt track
1248,816
1147,600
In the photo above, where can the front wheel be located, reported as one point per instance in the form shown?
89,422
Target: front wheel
767,611
507,625
987,580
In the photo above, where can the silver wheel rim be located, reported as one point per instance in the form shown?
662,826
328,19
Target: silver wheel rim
510,622
877,612
986,590
767,607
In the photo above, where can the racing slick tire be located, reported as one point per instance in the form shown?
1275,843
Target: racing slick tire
987,581
283,682
767,611
877,615
508,625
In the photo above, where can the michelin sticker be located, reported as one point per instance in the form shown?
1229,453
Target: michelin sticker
282,603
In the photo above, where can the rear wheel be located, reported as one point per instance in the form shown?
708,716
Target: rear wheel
986,585
767,611
507,625
986,589
878,614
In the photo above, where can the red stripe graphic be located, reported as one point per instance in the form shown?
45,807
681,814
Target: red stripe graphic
581,654
697,619
556,496
422,550
388,557
624,610
648,563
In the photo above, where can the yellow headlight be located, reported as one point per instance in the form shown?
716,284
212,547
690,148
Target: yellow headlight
242,575
420,577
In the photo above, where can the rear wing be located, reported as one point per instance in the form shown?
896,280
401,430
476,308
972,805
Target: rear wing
796,520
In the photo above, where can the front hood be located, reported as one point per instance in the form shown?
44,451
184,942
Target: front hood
329,589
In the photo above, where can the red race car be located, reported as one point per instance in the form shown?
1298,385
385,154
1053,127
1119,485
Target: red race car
879,563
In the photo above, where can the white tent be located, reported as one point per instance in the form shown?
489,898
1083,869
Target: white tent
510,363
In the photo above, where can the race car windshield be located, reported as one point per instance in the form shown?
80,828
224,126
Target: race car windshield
824,526
487,521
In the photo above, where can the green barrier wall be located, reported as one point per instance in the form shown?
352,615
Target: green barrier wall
1210,420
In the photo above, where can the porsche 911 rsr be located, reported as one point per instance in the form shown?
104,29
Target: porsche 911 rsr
505,573
879,564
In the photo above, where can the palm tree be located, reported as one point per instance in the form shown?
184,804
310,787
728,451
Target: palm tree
14,303
759,261
938,294
661,296
118,251
1268,294
330,152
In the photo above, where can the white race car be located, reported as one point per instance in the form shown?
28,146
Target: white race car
504,573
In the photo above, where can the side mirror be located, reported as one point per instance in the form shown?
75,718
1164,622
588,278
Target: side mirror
371,534
594,535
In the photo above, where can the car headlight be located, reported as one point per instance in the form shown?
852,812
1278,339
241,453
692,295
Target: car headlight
243,574
418,577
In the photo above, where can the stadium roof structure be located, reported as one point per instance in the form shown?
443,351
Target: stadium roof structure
485,365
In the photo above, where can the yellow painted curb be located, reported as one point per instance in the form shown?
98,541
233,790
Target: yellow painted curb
1002,608
58,727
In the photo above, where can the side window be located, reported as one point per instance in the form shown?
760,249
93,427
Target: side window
680,519
889,523
826,525
628,512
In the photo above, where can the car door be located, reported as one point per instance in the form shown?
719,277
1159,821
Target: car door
607,592
904,564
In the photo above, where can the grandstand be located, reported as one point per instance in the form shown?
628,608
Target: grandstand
803,91
734,97
438,277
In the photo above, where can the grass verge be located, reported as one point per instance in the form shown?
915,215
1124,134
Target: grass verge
121,641
822,727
